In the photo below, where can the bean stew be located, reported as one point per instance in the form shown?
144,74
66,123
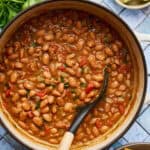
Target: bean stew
54,64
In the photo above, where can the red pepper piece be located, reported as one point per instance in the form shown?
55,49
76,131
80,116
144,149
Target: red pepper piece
47,130
41,93
109,122
83,62
5,105
62,68
121,109
30,114
54,47
98,123
45,68
89,88
124,68
8,92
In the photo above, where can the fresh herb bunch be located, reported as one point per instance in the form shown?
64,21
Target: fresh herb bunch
10,8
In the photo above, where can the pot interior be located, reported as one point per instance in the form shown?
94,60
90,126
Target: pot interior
137,60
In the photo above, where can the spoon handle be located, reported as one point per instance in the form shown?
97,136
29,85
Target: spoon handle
66,141
69,135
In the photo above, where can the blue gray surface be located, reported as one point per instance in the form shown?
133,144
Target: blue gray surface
138,20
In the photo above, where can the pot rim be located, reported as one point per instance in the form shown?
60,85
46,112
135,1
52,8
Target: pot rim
127,27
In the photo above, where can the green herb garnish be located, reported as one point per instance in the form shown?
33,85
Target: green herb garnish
40,79
7,85
76,97
53,85
37,104
83,84
106,40
66,65
28,91
62,79
34,44
124,54
73,90
66,85
82,70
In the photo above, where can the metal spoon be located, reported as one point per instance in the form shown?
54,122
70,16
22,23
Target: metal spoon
69,135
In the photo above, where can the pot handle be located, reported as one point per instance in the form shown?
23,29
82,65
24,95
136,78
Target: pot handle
142,36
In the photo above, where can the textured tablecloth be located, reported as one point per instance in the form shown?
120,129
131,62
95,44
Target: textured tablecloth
138,20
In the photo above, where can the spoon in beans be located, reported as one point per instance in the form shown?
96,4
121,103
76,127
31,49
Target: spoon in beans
68,137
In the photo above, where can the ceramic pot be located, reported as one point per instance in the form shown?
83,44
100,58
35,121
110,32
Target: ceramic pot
139,67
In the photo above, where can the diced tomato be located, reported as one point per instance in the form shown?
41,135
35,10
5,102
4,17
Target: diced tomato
62,68
30,114
45,68
89,88
68,93
8,92
5,105
121,109
54,47
124,68
109,122
83,61
98,123
41,93
47,130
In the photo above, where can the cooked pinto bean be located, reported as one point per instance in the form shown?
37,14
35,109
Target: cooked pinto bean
70,62
61,87
68,107
38,121
45,59
45,47
54,109
50,99
47,117
23,115
49,36
104,129
108,51
56,93
28,85
43,103
72,82
22,124
18,65
46,74
13,77
2,77
26,106
95,131
98,77
45,109
80,44
32,93
115,84
15,97
54,130
34,128
22,92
